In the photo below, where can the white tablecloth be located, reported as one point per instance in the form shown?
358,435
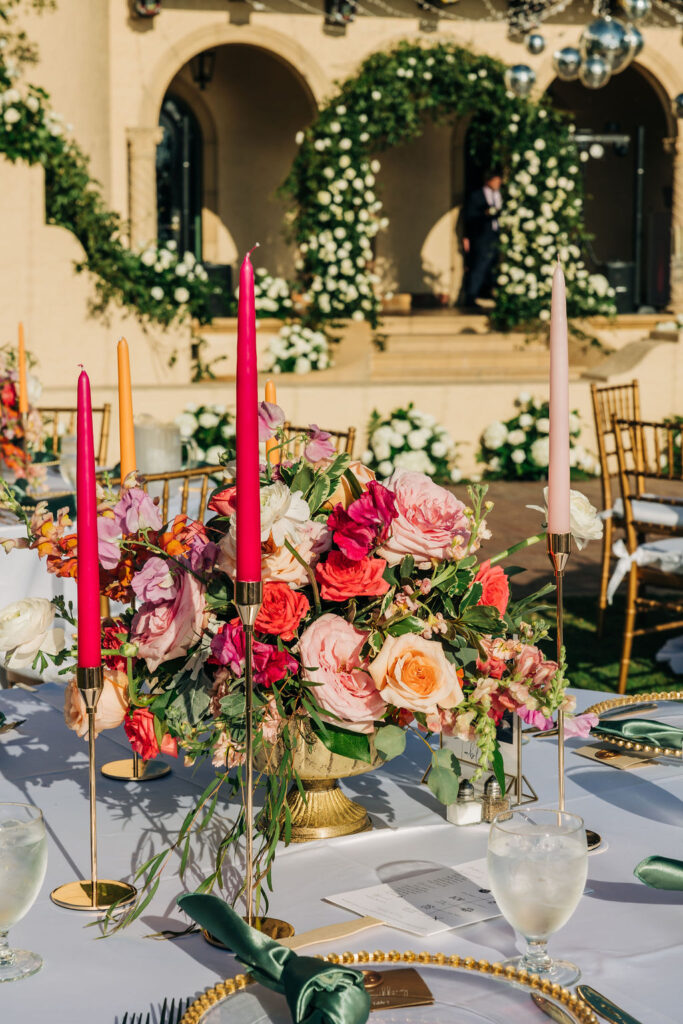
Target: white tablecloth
627,938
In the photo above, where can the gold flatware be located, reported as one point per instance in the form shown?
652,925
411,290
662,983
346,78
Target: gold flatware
552,1010
604,1006
330,932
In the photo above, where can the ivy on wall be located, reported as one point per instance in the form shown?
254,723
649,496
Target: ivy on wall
338,211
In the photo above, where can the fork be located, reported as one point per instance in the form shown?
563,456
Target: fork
171,1014
136,1020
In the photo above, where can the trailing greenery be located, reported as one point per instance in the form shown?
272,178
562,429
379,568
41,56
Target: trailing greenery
337,210
165,287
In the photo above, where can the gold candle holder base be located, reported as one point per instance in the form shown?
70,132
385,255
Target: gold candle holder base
126,770
79,895
273,927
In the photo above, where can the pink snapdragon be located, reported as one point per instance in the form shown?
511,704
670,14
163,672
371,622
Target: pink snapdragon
365,523
580,725
535,718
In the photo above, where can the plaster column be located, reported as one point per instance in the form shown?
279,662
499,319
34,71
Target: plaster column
142,186
676,299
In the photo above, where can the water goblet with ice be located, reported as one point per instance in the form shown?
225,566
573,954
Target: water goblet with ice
23,860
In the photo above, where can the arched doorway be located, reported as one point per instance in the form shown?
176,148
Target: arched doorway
628,182
238,123
179,177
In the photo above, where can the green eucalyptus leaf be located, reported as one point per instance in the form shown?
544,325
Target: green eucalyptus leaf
444,784
390,741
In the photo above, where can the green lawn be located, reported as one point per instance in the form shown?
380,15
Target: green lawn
593,661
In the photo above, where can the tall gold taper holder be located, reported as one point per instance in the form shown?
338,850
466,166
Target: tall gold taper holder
559,546
92,893
248,600
135,769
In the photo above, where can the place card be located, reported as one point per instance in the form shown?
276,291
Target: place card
426,903
613,758
389,990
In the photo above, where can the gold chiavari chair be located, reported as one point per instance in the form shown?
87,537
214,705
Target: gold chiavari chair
344,439
650,457
182,481
622,400
58,420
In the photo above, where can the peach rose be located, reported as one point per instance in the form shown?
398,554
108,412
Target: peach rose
330,653
111,707
342,494
430,519
278,563
414,673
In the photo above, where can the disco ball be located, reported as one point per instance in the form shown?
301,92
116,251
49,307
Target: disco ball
535,43
635,10
566,63
520,79
636,42
594,72
606,38
678,105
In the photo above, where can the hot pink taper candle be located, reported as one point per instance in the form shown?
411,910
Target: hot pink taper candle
89,626
247,474
558,468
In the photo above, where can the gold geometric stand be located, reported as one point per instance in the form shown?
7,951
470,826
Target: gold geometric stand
79,895
126,770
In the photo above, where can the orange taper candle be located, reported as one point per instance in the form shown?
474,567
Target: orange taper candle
126,432
23,385
272,449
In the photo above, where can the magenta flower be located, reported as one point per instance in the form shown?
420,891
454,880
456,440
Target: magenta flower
108,533
154,582
135,511
535,718
270,417
365,523
319,446
270,664
580,725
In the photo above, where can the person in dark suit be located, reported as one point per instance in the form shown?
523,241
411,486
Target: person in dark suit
480,241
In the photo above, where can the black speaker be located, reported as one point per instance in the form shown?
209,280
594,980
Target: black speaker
622,277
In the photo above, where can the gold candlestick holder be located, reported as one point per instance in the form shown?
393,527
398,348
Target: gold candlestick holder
134,769
248,600
92,893
559,547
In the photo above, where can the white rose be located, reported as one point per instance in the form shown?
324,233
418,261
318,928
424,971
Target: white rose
283,513
149,257
299,138
400,426
456,475
415,462
525,421
439,450
25,630
213,455
157,293
33,104
417,439
11,115
187,424
516,437
584,519
495,435
540,451
381,449
518,456
208,420
385,468
181,295
543,425
228,430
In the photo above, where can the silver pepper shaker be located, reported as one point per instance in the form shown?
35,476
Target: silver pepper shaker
494,801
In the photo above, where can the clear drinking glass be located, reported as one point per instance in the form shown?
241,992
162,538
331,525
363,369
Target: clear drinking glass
23,860
538,861
67,458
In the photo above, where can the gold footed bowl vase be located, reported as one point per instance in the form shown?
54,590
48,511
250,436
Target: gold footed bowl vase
325,811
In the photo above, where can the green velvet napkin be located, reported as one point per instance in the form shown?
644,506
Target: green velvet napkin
639,730
660,873
316,992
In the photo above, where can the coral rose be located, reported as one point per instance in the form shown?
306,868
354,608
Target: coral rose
341,578
414,673
330,654
168,629
282,611
111,707
139,728
224,502
429,520
495,586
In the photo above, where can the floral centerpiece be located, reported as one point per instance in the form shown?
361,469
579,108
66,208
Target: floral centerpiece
17,436
379,618
412,440
519,448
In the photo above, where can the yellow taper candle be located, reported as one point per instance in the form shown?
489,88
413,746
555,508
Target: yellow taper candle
126,433
23,384
272,449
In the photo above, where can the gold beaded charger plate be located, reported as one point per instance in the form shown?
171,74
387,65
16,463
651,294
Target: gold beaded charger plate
465,990
634,700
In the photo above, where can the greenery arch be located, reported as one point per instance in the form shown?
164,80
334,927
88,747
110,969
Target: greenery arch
337,210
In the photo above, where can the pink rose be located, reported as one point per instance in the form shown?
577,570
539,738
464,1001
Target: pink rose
495,586
270,417
318,445
414,673
154,582
428,522
270,664
224,502
139,728
111,707
167,630
330,655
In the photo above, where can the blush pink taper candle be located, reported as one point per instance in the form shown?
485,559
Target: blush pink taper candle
247,475
89,626
558,468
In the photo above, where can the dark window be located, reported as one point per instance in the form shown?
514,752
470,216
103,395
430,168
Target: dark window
179,177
